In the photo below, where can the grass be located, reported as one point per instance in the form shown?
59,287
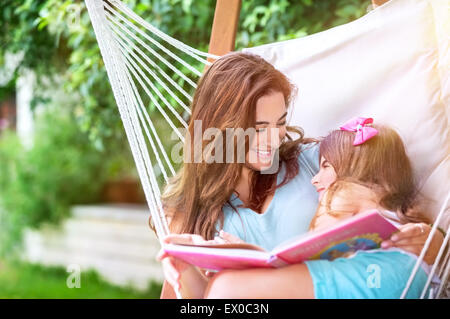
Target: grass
20,280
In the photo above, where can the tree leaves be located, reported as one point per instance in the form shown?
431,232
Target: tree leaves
56,40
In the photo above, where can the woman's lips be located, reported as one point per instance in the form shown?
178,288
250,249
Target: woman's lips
320,192
267,154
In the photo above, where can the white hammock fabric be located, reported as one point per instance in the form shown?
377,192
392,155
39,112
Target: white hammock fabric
392,64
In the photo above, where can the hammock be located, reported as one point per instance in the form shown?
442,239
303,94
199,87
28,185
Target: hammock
396,55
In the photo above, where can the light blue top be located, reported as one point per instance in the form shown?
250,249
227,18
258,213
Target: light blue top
374,274
288,214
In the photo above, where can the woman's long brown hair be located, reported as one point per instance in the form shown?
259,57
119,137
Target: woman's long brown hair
381,164
226,97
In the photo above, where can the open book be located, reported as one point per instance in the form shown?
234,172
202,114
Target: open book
361,232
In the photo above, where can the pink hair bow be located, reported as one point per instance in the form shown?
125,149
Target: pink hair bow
360,125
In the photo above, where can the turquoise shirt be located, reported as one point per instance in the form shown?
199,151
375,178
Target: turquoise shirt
374,274
288,214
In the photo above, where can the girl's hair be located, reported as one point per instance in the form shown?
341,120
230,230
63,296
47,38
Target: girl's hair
226,97
381,164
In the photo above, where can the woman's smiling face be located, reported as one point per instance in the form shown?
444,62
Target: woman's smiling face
270,130
324,178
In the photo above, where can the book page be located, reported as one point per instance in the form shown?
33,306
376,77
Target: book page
219,258
227,246
361,232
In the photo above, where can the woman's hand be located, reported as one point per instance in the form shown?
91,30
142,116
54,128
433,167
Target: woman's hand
228,238
223,238
412,238
173,267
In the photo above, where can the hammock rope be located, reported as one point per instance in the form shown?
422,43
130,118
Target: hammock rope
136,69
174,42
153,64
129,49
175,57
423,252
127,104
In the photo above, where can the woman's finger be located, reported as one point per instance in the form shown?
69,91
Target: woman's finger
230,238
411,241
170,273
387,244
183,239
168,266
414,249
161,255
411,230
419,246
219,240
403,242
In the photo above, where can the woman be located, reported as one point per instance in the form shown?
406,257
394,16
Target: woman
265,197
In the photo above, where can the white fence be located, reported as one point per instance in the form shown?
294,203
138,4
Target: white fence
114,240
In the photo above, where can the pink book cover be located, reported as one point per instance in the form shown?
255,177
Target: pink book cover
362,232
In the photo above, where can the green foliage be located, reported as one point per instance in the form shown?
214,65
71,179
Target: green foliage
20,33
267,21
22,280
57,35
41,183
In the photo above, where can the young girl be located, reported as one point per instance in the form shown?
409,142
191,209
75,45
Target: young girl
365,167
361,168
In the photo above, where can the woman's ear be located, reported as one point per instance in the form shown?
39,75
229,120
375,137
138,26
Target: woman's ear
174,221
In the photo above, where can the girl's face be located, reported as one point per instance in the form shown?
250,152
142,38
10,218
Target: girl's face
270,131
322,181
324,178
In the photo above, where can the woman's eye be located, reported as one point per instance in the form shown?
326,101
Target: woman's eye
260,130
282,124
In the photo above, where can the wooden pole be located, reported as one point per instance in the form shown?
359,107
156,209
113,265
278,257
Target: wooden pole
377,3
224,28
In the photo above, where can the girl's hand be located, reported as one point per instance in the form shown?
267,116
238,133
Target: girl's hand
174,267
412,238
